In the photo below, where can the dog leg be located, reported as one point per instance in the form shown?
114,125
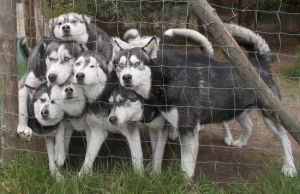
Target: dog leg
247,125
97,137
59,148
189,150
52,166
228,137
288,168
23,130
162,135
68,135
132,134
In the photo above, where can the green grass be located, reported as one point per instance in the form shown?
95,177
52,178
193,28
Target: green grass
295,70
29,175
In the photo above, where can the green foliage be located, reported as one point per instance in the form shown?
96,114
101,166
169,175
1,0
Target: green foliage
122,15
295,70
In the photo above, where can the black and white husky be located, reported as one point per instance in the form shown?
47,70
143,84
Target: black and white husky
92,74
44,118
50,60
191,90
78,27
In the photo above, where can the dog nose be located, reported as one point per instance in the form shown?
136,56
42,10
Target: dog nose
113,120
69,90
52,77
45,113
127,78
66,28
80,76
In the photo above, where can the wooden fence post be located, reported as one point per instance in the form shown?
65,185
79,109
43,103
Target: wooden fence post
9,80
244,68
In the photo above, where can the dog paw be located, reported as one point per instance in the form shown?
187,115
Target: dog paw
59,156
228,141
24,132
238,143
289,170
58,177
173,134
85,171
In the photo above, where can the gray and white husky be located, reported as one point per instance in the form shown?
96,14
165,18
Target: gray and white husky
92,74
171,80
45,119
51,60
72,99
78,27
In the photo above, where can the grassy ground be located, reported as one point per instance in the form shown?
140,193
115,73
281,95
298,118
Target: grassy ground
29,175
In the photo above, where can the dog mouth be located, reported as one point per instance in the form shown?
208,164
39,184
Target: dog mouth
70,97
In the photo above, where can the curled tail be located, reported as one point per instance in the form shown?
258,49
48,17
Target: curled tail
193,35
25,49
253,42
131,34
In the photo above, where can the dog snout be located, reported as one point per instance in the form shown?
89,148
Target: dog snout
45,113
80,76
69,90
52,77
66,28
113,120
127,77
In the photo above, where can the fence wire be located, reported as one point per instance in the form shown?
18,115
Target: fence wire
277,23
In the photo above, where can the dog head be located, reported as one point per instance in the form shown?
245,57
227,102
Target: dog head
46,108
90,68
70,26
126,106
60,57
133,65
70,97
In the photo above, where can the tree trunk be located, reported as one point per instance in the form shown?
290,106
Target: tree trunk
30,29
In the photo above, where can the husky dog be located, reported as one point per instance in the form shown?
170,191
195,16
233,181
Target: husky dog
72,101
44,118
91,72
78,27
130,107
191,90
50,60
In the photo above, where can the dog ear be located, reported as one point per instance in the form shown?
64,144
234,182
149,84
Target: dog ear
83,47
87,18
151,48
31,91
51,22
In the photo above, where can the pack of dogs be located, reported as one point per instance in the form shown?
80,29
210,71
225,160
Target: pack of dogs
84,80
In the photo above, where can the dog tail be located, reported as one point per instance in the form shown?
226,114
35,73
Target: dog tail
130,34
193,35
25,49
252,42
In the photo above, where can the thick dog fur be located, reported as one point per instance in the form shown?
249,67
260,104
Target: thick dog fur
91,72
169,80
78,27
50,60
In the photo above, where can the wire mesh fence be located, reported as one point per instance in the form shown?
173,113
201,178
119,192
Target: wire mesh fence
223,160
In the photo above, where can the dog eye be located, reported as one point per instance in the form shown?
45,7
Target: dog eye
59,23
73,22
67,59
121,65
52,59
77,64
122,101
52,101
42,100
137,63
92,66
